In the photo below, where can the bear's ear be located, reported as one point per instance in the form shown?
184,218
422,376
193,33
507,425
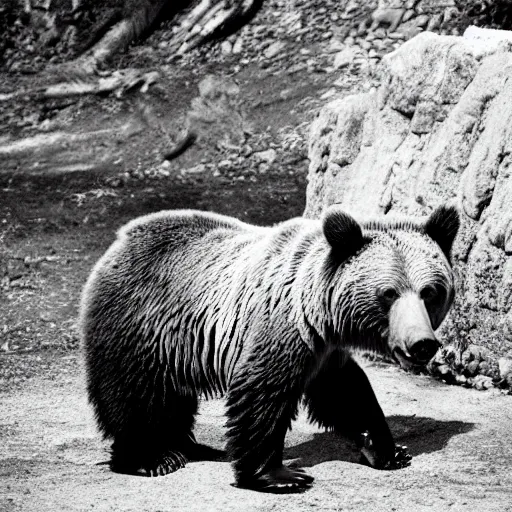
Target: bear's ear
442,227
343,233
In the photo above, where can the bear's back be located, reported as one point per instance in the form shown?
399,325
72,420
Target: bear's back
175,228
183,284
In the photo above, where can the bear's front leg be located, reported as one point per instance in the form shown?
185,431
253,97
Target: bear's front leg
356,412
262,401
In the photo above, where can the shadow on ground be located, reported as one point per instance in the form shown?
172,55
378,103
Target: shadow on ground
419,434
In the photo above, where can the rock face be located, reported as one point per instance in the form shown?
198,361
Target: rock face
438,129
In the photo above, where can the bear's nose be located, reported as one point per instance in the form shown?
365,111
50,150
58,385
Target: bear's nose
424,349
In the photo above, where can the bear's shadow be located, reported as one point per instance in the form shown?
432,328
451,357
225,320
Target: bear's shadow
419,434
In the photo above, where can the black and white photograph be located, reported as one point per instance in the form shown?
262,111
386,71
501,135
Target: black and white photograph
255,255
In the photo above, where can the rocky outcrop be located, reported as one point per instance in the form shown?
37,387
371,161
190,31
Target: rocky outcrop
439,128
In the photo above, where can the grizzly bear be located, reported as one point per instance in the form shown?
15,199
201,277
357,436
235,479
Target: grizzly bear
188,304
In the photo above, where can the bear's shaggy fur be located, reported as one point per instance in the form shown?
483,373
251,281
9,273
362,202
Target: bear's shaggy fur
187,304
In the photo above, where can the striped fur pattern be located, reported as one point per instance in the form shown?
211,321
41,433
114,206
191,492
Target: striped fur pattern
187,304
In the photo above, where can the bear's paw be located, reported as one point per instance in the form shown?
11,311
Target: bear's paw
280,480
159,466
369,457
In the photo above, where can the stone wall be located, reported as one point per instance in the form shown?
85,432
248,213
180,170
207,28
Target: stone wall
438,129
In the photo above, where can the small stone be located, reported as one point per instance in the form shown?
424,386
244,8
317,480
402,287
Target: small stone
268,156
410,31
379,44
435,22
296,68
258,29
352,6
444,370
482,382
196,169
226,48
334,46
45,125
505,367
408,15
224,164
422,20
461,379
366,45
274,49
344,58
372,54
237,47
349,40
396,35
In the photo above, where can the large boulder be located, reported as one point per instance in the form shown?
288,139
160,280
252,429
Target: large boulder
438,129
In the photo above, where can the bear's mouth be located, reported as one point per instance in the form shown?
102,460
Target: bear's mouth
405,361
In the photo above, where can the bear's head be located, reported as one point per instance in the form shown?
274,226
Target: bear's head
391,282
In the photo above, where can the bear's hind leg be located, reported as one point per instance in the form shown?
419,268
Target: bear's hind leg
145,460
356,413
157,441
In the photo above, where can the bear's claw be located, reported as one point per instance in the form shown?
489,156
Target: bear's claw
279,481
401,460
160,466
369,456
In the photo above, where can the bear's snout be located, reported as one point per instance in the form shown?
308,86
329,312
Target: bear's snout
424,350
411,337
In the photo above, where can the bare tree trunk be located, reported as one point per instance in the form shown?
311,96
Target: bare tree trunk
115,25
117,39
97,30
209,19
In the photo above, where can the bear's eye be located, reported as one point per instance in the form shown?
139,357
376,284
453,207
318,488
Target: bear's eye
429,293
389,295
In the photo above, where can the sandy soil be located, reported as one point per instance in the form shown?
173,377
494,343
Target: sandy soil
52,458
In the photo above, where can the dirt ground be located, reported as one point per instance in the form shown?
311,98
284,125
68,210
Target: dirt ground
51,457
71,173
